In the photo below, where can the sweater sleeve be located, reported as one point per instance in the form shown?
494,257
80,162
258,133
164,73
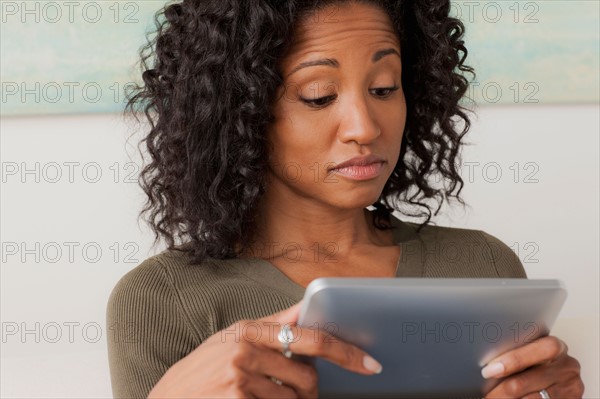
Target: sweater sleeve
148,331
506,262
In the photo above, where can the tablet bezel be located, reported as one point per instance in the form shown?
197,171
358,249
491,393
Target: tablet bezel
423,291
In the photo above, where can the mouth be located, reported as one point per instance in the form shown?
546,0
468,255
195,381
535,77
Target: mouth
360,172
363,160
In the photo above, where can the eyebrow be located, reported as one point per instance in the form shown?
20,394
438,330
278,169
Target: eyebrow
332,62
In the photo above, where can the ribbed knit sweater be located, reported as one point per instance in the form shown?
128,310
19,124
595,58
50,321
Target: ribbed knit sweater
162,309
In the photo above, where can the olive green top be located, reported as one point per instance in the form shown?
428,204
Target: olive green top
162,309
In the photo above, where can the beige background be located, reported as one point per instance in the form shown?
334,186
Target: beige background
554,221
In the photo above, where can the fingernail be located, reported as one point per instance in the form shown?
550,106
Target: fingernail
372,364
492,370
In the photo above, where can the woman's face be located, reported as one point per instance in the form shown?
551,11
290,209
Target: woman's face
346,106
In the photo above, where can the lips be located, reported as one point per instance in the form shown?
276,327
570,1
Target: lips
359,161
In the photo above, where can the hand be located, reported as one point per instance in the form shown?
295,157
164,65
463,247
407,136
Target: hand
240,360
541,364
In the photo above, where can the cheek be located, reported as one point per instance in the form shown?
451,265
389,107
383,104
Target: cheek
302,138
394,121
298,151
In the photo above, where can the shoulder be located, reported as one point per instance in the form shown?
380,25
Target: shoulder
450,236
461,252
150,329
158,275
206,296
149,274
156,278
147,283
148,296
142,293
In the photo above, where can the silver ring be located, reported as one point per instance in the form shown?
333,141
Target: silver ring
276,381
544,394
286,336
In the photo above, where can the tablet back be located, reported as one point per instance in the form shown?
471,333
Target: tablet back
432,335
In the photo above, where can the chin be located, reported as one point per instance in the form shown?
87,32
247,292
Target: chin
356,199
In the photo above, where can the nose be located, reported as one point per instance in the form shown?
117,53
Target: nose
357,123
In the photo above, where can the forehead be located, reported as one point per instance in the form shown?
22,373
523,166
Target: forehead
339,28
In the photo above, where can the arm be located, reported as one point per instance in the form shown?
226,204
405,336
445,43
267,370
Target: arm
506,262
159,356
148,332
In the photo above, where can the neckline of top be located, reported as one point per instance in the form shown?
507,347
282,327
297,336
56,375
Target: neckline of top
409,264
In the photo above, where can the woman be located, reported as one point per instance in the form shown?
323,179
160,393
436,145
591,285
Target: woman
274,125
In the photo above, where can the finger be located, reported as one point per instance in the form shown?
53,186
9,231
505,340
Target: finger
316,342
572,388
529,381
301,377
543,350
552,391
250,379
261,386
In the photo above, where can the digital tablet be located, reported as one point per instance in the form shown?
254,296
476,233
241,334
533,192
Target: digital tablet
432,335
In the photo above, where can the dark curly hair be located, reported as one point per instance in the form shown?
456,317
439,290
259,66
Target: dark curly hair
208,95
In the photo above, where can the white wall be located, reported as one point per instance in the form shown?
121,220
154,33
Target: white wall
553,223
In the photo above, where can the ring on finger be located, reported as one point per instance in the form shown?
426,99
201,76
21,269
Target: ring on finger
276,381
286,336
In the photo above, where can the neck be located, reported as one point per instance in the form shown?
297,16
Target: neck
308,231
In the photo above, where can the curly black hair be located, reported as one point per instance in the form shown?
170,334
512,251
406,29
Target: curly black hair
208,94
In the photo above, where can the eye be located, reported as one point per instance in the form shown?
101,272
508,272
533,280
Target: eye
385,92
318,102
321,102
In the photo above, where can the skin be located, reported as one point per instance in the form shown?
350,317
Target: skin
241,366
541,364
304,210
316,210
312,212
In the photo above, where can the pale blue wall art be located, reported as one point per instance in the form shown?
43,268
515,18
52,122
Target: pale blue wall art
71,56
76,56
528,52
